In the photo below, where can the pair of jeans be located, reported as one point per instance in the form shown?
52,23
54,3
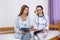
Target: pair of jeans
26,36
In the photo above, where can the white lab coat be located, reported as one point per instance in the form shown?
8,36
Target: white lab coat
39,24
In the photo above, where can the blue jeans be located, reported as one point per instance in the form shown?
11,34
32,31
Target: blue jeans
26,36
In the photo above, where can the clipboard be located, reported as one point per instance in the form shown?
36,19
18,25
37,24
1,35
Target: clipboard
25,29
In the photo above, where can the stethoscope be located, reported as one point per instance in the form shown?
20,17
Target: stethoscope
37,23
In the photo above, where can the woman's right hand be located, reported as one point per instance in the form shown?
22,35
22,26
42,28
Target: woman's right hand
23,32
32,28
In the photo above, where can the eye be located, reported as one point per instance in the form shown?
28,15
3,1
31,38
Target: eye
39,10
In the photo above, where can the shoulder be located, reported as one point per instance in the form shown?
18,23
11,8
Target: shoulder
28,17
46,15
17,18
35,16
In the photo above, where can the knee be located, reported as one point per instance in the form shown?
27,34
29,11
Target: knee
27,35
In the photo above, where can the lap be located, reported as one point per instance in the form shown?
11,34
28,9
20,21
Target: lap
26,36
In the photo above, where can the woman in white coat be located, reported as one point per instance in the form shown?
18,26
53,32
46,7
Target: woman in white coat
41,24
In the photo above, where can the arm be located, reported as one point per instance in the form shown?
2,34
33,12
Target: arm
16,26
47,24
34,23
16,29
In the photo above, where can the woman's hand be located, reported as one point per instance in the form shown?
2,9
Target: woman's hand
23,32
32,28
44,30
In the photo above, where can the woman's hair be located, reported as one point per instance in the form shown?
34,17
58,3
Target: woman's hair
22,9
40,7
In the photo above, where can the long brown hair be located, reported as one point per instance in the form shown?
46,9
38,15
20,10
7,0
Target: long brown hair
22,9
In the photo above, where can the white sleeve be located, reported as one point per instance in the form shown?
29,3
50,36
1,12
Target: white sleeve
18,33
16,26
35,23
47,24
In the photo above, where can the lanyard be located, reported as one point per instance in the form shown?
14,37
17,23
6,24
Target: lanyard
38,22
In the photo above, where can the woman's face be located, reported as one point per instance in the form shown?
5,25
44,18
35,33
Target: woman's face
26,10
39,10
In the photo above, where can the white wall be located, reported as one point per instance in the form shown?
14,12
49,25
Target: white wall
9,9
